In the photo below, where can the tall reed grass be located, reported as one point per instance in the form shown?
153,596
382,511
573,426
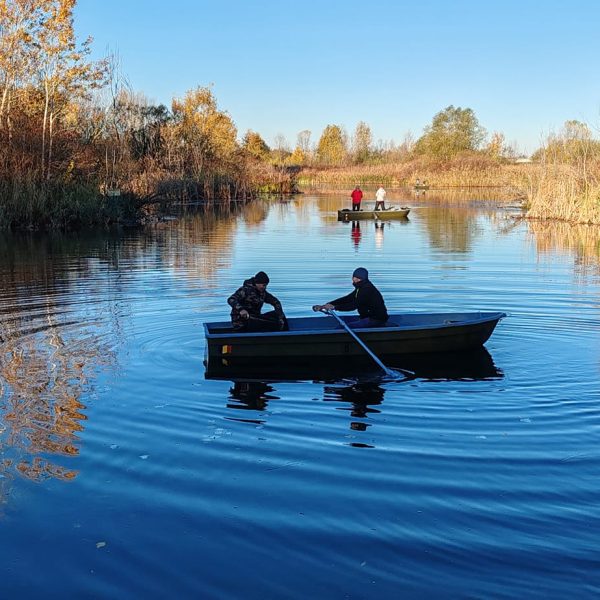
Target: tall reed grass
564,192
465,172
33,205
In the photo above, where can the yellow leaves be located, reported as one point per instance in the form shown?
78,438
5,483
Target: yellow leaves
297,157
331,149
208,133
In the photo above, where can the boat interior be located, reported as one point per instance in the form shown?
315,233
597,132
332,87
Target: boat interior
403,321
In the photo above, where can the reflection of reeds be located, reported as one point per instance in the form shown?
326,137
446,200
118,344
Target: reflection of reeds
582,241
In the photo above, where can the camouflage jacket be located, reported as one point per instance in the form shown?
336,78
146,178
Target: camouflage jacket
250,298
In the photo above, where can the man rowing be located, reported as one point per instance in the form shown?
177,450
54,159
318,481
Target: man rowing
365,298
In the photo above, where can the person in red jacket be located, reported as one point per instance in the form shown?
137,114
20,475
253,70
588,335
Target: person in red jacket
356,196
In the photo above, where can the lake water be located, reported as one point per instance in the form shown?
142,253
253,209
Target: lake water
125,473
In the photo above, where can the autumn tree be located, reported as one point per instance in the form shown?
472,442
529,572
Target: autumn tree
496,147
208,135
19,24
303,140
362,142
331,149
298,157
574,145
280,151
452,131
301,155
255,145
63,72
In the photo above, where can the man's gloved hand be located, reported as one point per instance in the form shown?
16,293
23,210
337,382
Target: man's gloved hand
318,307
244,314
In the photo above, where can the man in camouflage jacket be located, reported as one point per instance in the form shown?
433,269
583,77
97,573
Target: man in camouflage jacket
246,304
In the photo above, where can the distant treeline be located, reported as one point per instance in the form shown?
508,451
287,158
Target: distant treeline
78,146
561,180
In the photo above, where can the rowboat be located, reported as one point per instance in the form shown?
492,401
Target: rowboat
421,187
315,339
393,212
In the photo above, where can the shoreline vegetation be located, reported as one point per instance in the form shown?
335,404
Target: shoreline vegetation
79,147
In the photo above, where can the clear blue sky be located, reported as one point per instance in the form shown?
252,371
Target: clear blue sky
524,66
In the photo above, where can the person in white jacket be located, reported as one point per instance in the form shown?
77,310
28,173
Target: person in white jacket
380,199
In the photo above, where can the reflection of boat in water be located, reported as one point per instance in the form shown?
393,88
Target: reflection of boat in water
250,395
358,215
312,339
473,365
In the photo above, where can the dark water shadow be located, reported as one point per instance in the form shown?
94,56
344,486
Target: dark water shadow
475,365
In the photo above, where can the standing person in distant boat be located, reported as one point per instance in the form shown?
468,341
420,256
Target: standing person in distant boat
247,302
365,298
357,197
380,199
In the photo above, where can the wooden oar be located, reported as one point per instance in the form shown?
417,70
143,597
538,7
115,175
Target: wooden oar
389,372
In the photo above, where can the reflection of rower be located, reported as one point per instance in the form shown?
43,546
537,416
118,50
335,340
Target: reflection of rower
253,394
356,233
363,398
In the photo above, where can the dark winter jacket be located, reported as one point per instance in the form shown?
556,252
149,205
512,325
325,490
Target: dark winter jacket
250,298
367,299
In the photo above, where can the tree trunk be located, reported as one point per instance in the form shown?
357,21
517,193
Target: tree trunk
50,140
44,127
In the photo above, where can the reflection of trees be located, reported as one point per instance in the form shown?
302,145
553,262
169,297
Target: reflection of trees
254,213
198,246
44,375
64,301
582,241
452,229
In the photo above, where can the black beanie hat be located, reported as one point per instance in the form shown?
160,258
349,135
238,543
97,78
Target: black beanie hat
261,277
361,273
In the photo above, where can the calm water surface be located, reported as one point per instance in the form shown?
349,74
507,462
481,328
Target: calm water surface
125,473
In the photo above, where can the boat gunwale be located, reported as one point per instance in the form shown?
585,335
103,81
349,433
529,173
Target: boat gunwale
389,211
492,316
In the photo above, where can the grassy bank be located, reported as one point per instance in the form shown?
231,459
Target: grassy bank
33,205
27,203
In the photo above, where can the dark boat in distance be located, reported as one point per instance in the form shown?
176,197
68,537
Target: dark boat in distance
421,186
314,339
392,212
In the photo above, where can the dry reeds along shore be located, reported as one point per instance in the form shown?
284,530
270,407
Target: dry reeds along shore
466,172
549,190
